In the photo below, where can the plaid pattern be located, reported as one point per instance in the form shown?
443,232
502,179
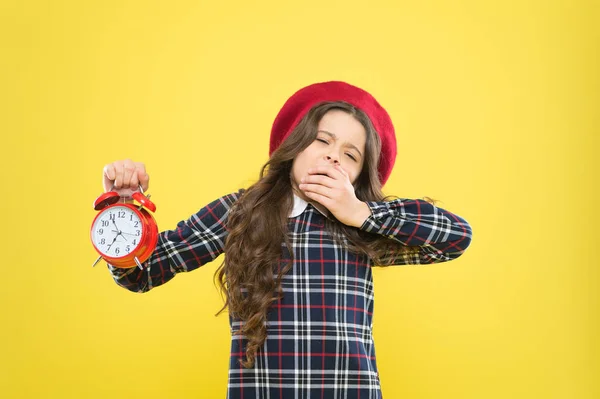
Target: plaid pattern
320,341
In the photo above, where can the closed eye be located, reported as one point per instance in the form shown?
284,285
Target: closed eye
326,142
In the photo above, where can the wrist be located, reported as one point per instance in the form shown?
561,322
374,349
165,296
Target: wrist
362,213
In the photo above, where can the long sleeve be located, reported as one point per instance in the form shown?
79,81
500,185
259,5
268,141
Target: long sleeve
194,242
440,235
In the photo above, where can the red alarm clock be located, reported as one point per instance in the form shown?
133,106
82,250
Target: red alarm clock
125,235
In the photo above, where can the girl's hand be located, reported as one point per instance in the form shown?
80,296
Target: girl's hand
335,192
126,176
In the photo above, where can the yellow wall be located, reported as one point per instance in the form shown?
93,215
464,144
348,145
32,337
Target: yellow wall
496,109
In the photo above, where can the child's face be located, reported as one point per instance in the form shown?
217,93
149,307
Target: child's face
340,139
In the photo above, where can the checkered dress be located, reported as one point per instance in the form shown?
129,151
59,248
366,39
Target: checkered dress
319,335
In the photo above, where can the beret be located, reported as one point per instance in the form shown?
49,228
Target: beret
298,105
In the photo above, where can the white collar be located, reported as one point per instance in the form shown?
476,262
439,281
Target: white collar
299,207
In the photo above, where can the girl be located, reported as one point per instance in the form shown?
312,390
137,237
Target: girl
300,245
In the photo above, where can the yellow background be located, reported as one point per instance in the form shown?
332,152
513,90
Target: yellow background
496,109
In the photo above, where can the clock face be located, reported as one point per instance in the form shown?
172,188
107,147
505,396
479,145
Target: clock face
117,231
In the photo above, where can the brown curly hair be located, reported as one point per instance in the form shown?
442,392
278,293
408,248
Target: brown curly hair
250,275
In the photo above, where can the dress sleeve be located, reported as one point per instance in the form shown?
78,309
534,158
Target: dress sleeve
438,234
194,242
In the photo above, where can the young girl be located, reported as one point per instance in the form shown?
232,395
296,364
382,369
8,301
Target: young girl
300,245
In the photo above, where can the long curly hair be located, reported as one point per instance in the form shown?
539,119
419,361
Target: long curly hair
250,275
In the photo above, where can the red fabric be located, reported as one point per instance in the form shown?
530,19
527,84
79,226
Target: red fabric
296,107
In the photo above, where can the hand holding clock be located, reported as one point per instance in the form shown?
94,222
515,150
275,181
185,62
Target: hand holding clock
125,176
124,181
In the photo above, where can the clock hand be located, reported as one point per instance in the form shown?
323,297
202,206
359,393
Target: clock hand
119,232
113,241
123,232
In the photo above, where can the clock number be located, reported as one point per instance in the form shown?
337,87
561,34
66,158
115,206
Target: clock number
117,250
100,231
121,214
137,233
134,242
105,223
103,241
136,224
127,248
111,216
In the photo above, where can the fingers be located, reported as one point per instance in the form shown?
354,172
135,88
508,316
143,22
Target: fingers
108,177
325,175
322,181
342,171
319,189
143,177
311,180
126,174
321,199
333,171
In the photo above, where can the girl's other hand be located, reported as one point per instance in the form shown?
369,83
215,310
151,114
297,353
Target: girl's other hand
330,186
125,177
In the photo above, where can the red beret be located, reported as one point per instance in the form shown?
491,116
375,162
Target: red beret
296,107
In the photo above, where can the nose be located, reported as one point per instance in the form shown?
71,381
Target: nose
330,159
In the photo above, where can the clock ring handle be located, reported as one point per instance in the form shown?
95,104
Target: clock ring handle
144,200
141,190
112,197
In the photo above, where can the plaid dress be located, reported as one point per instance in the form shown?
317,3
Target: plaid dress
319,335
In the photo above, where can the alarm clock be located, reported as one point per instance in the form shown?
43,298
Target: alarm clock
124,234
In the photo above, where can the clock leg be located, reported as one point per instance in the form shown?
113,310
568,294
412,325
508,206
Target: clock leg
97,260
138,263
